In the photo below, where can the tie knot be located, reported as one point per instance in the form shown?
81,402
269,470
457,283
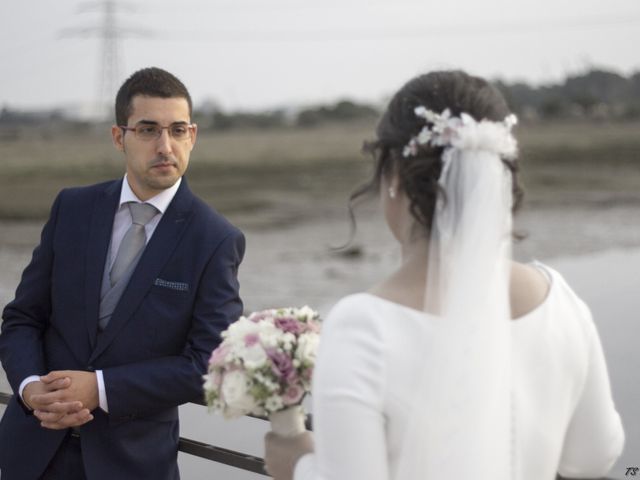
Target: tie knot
142,213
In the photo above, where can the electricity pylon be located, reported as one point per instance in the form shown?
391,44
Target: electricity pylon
111,34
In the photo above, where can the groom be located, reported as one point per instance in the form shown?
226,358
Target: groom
117,314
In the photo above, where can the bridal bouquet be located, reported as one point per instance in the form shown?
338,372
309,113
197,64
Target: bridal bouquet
263,366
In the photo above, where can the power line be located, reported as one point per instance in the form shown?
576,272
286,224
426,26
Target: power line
331,35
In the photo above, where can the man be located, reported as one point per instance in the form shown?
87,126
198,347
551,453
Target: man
116,315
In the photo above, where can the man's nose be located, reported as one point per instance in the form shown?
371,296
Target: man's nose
164,142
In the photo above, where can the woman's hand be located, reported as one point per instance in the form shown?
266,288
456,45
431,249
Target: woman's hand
282,453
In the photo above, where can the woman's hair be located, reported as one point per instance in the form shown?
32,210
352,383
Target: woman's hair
418,174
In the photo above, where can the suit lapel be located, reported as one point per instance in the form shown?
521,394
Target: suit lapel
99,238
155,255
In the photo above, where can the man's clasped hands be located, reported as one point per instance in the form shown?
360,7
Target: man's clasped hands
63,399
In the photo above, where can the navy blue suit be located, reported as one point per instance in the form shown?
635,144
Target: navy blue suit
181,296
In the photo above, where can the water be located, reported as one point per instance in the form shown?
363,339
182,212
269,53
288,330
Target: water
608,281
293,266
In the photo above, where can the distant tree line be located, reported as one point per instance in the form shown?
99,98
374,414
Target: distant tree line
14,124
593,95
341,111
596,94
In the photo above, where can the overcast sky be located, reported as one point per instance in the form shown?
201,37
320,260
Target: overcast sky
248,54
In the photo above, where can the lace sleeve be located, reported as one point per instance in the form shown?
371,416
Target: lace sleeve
348,394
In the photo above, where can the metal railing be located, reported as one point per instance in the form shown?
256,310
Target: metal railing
232,458
222,455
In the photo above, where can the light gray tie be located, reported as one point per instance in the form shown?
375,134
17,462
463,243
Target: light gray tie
134,240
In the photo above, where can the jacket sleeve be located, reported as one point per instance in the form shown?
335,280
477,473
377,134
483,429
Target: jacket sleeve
26,318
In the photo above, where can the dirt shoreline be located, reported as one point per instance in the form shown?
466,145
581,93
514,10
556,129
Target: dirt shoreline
295,264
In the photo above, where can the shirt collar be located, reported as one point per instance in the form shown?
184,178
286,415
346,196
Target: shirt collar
161,201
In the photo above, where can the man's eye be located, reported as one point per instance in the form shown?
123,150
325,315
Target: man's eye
147,129
179,130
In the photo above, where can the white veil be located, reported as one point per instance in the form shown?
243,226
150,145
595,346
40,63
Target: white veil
461,424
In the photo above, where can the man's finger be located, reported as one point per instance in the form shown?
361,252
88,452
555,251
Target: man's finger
59,383
61,407
48,417
42,400
56,396
53,376
71,420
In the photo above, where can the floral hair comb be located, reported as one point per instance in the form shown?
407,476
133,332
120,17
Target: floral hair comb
464,133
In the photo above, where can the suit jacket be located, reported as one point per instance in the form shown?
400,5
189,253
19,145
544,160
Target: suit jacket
181,296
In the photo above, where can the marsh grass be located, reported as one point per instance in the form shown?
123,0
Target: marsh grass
279,176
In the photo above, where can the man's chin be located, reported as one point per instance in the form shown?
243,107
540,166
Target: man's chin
163,182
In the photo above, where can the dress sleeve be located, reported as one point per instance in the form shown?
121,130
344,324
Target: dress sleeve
348,400
595,437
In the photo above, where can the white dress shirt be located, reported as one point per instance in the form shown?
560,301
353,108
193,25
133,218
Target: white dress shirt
121,223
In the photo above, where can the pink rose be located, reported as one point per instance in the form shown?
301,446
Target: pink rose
257,316
292,395
289,325
282,366
251,339
218,355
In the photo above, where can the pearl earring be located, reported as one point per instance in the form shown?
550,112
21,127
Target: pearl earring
392,192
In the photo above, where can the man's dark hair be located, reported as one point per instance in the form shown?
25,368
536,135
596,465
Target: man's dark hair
151,82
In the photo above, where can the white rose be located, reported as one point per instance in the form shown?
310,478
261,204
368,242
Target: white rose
240,329
254,356
307,312
307,347
287,339
235,387
209,384
269,335
273,403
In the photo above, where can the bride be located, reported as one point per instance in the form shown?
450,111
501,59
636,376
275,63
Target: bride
462,363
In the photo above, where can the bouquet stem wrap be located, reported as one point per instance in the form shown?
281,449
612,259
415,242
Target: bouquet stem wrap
288,422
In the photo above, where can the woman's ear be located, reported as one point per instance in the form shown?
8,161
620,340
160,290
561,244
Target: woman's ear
393,183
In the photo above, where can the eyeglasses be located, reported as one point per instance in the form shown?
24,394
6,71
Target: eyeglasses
151,131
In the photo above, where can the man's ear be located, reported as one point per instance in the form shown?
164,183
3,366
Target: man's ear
117,135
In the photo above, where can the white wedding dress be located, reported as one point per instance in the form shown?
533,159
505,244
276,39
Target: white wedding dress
371,352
